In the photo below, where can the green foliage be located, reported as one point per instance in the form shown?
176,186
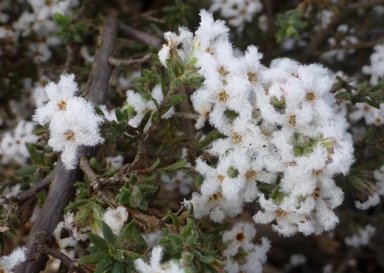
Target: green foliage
115,253
69,31
135,194
290,25
188,244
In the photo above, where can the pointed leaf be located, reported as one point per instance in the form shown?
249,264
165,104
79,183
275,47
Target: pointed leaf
37,158
105,265
92,258
130,238
108,233
179,164
99,242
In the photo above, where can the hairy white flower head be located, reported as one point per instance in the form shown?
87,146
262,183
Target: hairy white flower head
8,263
116,218
155,265
12,146
239,240
72,120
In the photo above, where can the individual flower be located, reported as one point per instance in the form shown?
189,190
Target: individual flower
371,115
376,67
237,12
13,144
179,181
116,218
9,262
68,235
141,106
115,162
239,240
155,265
361,238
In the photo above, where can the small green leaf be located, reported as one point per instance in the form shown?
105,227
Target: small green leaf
108,233
105,265
155,164
36,157
145,120
118,267
179,164
212,136
92,258
172,101
186,231
130,238
29,170
99,242
175,219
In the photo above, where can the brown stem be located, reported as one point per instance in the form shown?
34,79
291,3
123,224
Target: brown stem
89,173
62,189
26,195
140,36
360,45
72,265
119,62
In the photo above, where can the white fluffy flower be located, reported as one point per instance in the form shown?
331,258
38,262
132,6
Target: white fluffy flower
72,120
240,238
280,127
179,181
376,69
116,218
68,226
155,265
361,238
238,12
12,146
8,263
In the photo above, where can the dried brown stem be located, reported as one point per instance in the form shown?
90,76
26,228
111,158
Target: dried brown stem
72,265
119,62
26,195
140,36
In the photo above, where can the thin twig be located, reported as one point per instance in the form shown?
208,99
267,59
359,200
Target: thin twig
25,195
140,36
365,44
89,173
119,62
72,265
186,115
343,265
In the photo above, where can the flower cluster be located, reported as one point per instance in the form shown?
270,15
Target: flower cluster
238,12
283,141
376,69
72,120
239,241
39,21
